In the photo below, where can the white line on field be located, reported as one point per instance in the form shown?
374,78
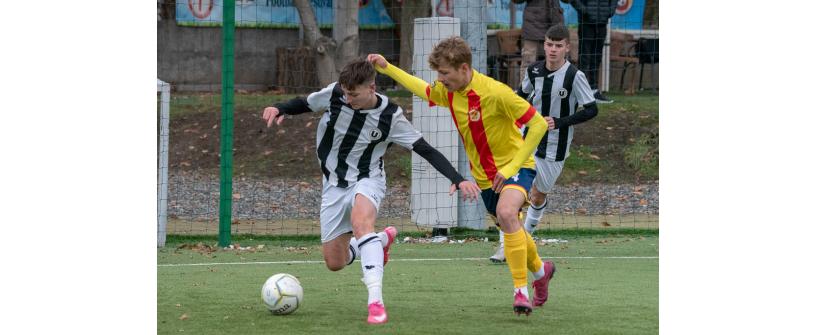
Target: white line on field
403,260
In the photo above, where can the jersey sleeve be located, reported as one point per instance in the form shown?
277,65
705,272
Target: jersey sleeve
518,109
523,114
527,87
320,101
435,93
582,90
402,131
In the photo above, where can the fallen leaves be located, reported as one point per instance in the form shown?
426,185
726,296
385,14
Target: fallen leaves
198,247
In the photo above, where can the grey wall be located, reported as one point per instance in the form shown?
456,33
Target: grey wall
189,58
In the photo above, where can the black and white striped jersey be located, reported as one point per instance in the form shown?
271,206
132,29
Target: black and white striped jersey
351,143
556,94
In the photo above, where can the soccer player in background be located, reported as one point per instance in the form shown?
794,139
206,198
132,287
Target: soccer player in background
556,88
487,114
354,132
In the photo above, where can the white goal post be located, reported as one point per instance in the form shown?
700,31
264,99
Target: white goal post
163,158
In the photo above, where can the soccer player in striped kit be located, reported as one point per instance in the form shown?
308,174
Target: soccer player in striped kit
556,88
487,114
357,126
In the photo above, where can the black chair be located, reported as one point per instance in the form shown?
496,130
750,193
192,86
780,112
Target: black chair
648,53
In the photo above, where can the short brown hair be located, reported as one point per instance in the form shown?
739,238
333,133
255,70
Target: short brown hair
558,32
356,73
452,51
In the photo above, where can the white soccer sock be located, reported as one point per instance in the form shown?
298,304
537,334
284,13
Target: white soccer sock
500,238
524,290
384,238
533,217
372,259
353,250
539,274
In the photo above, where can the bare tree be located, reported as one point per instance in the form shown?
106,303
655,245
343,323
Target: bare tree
166,9
331,55
346,30
403,13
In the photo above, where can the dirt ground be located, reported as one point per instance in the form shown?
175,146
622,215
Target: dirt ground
289,151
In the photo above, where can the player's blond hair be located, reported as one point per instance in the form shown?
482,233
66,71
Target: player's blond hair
452,51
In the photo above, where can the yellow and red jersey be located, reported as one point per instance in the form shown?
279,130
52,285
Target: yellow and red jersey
487,114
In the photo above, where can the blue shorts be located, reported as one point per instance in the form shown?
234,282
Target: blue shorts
522,181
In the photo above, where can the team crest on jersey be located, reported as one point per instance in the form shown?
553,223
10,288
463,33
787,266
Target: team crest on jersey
475,114
376,134
562,92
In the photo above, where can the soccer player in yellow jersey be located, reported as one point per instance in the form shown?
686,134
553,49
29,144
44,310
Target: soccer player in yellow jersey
487,114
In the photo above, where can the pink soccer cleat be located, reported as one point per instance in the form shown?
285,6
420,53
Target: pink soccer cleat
521,305
391,232
542,285
377,313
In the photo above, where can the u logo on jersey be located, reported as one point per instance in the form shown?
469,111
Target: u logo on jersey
376,134
562,92
475,114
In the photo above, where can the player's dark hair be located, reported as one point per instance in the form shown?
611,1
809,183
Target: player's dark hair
558,32
357,72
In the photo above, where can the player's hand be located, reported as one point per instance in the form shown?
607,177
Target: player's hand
498,183
469,190
377,60
550,121
269,115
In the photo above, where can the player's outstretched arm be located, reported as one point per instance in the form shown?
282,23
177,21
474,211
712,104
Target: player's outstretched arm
315,102
294,106
469,190
414,84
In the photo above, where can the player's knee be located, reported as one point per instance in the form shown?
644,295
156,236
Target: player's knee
506,213
334,265
537,198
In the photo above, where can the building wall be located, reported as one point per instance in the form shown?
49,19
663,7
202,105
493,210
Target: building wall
190,57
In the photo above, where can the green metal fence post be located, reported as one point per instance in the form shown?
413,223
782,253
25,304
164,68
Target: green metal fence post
227,115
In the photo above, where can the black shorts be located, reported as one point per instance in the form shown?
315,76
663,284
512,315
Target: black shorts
522,181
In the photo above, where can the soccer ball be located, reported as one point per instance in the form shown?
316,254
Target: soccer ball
282,294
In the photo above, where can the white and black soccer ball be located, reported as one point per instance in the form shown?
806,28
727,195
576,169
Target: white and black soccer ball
282,294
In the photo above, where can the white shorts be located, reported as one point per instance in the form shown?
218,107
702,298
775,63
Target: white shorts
335,210
547,173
